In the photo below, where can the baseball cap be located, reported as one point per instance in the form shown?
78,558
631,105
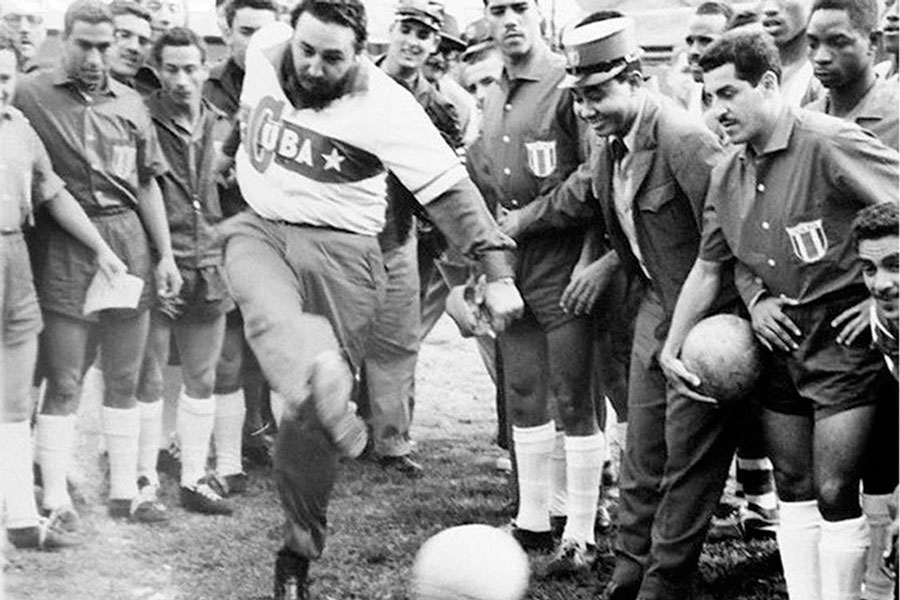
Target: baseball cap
425,12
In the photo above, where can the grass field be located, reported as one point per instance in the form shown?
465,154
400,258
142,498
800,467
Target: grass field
378,520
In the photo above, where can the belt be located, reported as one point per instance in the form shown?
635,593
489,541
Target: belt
309,226
107,211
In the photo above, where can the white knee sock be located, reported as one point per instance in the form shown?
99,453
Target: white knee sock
194,424
798,543
149,439
228,430
876,584
534,445
122,427
584,466
17,475
55,447
842,558
558,476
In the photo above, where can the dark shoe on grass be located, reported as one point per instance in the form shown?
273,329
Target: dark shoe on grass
203,498
570,558
291,572
403,465
541,541
46,535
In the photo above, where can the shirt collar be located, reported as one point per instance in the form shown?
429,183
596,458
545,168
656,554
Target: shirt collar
630,139
780,136
537,66
61,77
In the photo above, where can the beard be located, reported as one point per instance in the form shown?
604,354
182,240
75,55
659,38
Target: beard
316,93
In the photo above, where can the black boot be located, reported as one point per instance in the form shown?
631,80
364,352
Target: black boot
290,576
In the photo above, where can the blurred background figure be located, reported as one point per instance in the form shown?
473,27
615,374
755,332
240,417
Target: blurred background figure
889,27
26,19
785,21
166,14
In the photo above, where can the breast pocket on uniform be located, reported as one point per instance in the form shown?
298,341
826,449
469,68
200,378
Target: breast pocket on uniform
541,157
123,161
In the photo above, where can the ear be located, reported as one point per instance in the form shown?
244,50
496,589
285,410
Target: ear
874,41
635,79
769,82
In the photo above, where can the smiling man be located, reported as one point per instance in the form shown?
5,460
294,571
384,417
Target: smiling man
132,47
780,205
322,127
394,348
876,232
889,29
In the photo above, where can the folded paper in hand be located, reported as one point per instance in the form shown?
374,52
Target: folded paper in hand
122,292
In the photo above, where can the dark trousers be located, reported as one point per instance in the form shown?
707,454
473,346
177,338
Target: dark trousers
677,456
298,289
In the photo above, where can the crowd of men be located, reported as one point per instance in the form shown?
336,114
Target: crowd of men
297,217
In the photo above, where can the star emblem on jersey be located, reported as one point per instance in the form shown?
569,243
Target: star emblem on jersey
333,160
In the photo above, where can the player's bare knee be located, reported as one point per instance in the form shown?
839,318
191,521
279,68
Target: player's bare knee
794,486
838,499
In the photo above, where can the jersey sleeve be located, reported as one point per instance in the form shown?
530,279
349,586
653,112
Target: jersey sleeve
150,159
713,245
413,149
45,183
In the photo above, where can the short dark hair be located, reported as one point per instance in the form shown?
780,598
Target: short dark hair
89,11
346,13
752,53
875,222
741,18
236,5
712,7
177,36
129,7
863,14
10,41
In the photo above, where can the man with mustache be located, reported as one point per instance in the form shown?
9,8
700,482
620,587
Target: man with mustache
322,126
875,231
132,48
26,18
841,36
779,209
103,145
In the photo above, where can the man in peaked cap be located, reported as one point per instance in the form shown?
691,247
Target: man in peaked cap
647,181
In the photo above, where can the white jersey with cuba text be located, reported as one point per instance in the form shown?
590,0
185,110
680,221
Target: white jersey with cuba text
328,167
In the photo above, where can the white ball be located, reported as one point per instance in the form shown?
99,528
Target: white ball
470,562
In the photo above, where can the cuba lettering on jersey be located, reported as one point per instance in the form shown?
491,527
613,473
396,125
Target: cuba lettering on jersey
328,167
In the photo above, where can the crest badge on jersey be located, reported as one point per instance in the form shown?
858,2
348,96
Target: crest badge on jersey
808,240
541,157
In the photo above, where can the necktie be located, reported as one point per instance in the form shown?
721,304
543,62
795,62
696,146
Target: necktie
617,149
